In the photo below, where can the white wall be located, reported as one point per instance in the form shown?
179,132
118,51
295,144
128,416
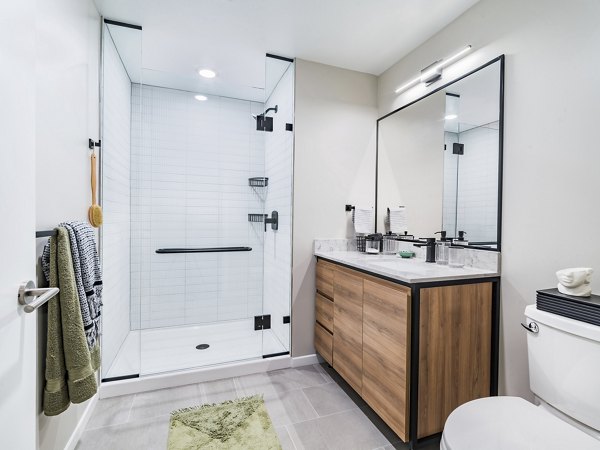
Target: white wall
68,45
190,170
279,154
334,165
116,198
550,214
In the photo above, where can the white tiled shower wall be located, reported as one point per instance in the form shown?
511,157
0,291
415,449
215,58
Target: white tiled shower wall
279,153
191,162
472,203
116,181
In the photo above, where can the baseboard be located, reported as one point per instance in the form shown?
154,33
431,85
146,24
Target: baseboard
306,360
82,424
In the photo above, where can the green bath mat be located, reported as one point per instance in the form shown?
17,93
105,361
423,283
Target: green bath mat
234,425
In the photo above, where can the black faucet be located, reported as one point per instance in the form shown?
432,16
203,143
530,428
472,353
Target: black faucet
430,244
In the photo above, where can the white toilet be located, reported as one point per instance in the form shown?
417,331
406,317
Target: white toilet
564,375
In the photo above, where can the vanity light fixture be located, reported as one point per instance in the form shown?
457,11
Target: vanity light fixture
201,98
207,73
433,72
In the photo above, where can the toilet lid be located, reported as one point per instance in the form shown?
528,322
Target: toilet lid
502,423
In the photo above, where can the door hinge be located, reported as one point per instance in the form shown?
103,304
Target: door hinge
286,319
262,322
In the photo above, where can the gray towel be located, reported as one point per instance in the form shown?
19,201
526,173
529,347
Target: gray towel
88,275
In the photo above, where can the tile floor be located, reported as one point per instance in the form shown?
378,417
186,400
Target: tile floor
311,408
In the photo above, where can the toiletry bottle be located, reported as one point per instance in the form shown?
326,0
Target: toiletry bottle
441,248
460,240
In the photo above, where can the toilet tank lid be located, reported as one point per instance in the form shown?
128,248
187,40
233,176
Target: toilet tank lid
576,327
501,423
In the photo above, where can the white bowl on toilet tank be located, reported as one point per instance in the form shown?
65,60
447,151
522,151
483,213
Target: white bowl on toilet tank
564,365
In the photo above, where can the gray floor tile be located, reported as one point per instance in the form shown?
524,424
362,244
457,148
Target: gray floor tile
218,391
143,435
286,408
162,402
380,425
328,399
296,378
256,383
350,430
111,411
336,378
285,439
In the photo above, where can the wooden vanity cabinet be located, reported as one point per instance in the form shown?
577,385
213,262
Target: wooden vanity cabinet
363,329
386,337
348,326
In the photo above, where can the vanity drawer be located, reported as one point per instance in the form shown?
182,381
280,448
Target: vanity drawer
324,343
325,278
324,312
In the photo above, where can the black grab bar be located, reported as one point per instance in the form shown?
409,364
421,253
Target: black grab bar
204,250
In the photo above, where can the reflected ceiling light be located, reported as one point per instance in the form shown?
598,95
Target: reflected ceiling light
433,72
207,73
450,116
201,98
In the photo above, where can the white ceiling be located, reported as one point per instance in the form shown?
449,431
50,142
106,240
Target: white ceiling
232,36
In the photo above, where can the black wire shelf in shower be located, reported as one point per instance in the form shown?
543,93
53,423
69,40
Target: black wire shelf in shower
256,217
258,181
204,250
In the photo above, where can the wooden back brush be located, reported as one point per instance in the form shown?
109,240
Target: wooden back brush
95,211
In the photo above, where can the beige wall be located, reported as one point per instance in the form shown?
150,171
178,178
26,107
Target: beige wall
67,64
551,216
334,164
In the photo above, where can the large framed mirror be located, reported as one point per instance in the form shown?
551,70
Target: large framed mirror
439,161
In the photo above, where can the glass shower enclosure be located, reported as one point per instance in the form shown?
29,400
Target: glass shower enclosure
197,196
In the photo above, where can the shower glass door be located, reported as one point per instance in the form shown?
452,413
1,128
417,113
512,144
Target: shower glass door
279,157
201,246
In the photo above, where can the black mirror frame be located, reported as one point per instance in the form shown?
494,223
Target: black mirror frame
500,144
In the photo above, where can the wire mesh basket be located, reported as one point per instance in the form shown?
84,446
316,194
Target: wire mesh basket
258,181
361,243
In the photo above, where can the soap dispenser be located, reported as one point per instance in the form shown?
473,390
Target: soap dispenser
441,248
460,240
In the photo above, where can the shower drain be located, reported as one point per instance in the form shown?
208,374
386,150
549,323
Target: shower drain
202,346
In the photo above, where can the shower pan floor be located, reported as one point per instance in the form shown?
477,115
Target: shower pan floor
158,350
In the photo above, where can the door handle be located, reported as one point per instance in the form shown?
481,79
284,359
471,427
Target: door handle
532,327
32,298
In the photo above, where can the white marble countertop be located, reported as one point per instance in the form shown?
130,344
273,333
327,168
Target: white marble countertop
406,270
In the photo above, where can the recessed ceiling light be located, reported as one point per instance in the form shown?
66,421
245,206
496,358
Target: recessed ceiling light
201,98
450,116
207,73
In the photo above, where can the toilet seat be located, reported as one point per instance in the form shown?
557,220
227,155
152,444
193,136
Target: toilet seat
510,423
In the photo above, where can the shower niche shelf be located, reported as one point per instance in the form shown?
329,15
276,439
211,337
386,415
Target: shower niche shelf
258,182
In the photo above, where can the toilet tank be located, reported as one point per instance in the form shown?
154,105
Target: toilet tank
564,365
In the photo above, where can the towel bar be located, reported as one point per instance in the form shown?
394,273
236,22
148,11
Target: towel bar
204,250
32,298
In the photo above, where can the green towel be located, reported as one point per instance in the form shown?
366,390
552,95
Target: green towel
70,365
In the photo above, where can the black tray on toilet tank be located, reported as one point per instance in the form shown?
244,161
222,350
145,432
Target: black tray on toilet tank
584,309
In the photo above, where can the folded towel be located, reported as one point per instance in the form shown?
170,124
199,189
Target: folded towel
363,220
398,220
88,275
70,365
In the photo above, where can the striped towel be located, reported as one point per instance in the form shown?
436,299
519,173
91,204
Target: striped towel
398,220
363,220
88,275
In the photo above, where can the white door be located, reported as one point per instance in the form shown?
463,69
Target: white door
18,426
